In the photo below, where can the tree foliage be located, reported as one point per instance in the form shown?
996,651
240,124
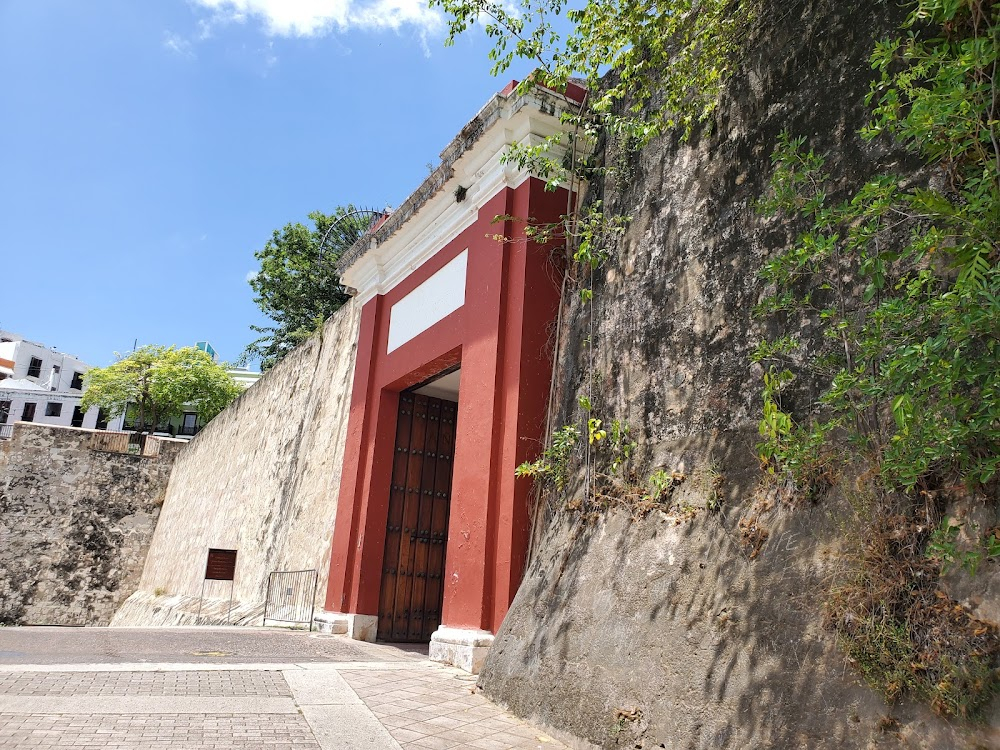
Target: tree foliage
904,281
298,286
160,382
669,57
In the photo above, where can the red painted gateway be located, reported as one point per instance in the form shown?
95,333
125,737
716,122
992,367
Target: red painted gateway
449,396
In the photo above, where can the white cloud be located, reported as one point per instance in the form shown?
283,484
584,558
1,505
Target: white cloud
251,275
177,44
270,59
307,18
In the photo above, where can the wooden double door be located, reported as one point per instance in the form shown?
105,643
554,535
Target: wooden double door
417,527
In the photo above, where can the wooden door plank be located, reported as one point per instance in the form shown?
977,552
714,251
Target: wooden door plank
434,593
422,534
394,522
414,467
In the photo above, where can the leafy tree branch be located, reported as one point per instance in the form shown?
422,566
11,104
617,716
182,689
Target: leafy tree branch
160,382
298,286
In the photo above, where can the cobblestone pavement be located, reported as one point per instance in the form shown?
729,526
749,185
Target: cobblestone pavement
211,645
392,699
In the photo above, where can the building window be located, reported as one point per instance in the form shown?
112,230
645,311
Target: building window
77,381
102,420
53,409
77,420
189,425
28,415
35,368
4,411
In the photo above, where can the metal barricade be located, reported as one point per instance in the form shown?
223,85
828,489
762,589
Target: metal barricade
291,596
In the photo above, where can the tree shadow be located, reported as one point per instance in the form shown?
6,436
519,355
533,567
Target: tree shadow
666,631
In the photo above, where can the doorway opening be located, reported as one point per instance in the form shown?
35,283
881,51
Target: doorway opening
412,589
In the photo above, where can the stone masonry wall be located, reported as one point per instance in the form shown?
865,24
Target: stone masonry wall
704,627
75,524
262,478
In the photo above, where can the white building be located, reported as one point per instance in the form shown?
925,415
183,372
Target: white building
40,384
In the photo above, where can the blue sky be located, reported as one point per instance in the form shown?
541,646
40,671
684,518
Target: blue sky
147,148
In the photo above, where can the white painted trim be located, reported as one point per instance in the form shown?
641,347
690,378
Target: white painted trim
438,221
433,300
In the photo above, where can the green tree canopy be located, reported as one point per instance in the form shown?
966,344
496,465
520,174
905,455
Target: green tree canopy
160,382
297,285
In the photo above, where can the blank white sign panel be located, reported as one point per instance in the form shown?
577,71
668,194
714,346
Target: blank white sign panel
434,300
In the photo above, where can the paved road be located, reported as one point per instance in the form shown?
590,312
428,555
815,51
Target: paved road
233,688
41,645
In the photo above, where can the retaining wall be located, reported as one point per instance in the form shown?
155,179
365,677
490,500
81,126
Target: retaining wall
75,523
262,479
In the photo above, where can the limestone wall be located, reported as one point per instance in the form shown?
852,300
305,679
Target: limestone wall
75,524
262,478
704,627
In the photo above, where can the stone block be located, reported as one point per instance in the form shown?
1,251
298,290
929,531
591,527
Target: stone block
462,648
358,627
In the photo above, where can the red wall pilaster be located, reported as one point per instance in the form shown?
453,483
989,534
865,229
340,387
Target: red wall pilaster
352,482
472,522
501,337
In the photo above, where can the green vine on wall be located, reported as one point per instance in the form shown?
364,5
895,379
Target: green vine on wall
670,60
904,281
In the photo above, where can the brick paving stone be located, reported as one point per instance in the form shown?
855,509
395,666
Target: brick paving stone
222,683
138,732
437,708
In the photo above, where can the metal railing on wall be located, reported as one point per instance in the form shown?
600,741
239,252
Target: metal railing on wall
6,431
291,597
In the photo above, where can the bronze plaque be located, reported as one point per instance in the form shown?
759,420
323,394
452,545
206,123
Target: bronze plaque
221,565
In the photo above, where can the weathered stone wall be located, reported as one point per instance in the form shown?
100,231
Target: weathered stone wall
262,478
702,629
75,524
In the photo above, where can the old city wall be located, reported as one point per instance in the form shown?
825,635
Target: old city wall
262,479
704,627
75,524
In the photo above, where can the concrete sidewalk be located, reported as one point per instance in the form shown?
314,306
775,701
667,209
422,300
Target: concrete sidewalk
406,703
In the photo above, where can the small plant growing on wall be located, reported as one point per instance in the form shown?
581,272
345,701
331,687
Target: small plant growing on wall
552,467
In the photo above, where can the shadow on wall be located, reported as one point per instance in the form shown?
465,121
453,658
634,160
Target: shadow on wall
666,631
661,631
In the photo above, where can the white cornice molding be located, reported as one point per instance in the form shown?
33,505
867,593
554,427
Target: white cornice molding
435,217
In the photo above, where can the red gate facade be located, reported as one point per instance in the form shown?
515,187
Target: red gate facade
444,285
